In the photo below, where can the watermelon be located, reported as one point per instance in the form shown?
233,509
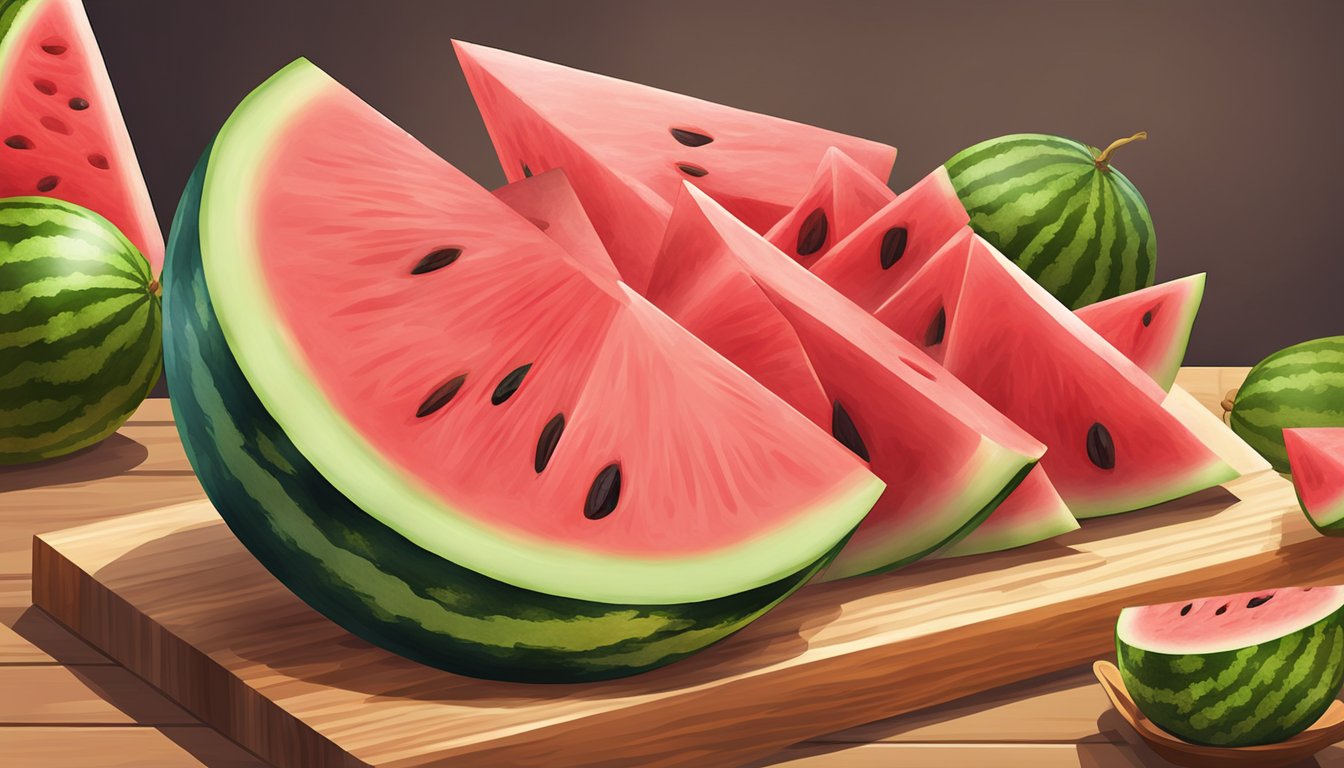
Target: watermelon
884,252
1032,512
1112,448
548,201
454,439
1299,386
842,196
1237,670
1061,211
79,329
1150,326
61,132
1317,460
627,149
947,458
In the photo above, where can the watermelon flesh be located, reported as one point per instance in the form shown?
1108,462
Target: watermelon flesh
548,201
1316,456
842,196
1112,446
627,148
1033,512
1150,326
61,131
947,458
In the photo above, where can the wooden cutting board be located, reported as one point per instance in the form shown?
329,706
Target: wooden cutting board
170,594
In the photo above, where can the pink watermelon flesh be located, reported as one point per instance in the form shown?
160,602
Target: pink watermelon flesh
944,454
627,149
884,252
61,131
1227,622
1112,446
1031,513
548,201
1150,326
843,195
1316,456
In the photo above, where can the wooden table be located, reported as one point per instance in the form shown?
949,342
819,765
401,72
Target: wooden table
62,703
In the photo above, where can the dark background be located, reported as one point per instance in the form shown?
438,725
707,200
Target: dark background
1242,101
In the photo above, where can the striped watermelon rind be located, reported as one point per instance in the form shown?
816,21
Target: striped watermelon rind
1082,232
80,329
1299,386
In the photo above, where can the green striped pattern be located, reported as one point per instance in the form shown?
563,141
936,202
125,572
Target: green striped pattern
368,578
1083,233
1262,694
79,329
9,16
1301,386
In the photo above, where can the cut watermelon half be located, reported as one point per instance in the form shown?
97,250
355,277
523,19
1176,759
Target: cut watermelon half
1150,326
627,149
842,196
1316,456
1112,446
947,458
61,131
1031,513
548,201
884,252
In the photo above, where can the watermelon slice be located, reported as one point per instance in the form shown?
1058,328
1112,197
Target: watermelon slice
448,435
843,196
61,132
883,253
1150,326
549,202
627,149
1033,512
1316,456
1112,446
947,458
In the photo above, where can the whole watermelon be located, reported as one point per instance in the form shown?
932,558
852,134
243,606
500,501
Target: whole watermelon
1299,386
80,323
1061,211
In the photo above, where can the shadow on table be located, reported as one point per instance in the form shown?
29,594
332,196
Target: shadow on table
113,456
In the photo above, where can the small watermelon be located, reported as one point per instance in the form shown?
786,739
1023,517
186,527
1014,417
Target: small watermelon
1150,326
1061,211
1300,386
79,329
1237,670
1033,512
1317,460
843,196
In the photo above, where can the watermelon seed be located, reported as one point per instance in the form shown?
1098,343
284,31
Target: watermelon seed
604,494
690,169
893,246
842,427
509,384
48,183
1147,318
98,161
55,125
437,259
690,138
550,438
441,395
1100,447
19,142
527,172
1256,602
45,86
812,235
937,327
1220,611
54,46
1187,608
78,104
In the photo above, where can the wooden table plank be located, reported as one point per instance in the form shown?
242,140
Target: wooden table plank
78,695
957,755
1209,384
29,636
191,746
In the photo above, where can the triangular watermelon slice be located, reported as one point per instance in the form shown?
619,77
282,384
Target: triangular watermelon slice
61,131
1033,512
1112,446
548,201
947,458
843,196
1150,326
627,148
1316,456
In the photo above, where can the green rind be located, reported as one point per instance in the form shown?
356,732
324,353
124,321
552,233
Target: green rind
9,16
1299,386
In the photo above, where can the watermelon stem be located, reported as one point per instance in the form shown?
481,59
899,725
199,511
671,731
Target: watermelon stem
1104,158
1229,401
155,288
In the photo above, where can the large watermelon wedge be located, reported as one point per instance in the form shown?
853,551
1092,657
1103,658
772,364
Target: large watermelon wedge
627,149
842,196
453,439
548,201
61,132
1316,457
1150,326
948,459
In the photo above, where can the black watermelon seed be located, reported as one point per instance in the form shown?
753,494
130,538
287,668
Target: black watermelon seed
48,183
1256,602
98,161
690,169
440,396
435,260
54,48
812,235
19,142
1220,611
690,138
527,172
509,384
933,336
1147,318
604,494
1187,608
1100,447
842,427
78,104
893,246
550,438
